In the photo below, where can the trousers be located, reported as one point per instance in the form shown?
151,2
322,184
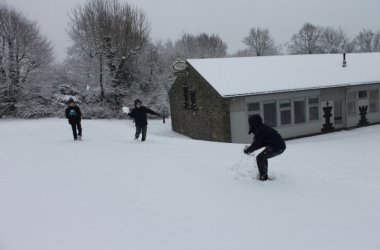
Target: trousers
262,159
74,127
141,130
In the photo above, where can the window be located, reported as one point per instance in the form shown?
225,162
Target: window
314,109
193,100
373,101
285,112
351,103
270,114
362,94
254,107
299,111
186,103
338,112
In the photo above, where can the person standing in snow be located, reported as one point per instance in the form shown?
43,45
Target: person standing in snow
264,136
139,115
74,115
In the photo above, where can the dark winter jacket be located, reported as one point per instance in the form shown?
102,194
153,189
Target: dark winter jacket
264,136
140,115
73,114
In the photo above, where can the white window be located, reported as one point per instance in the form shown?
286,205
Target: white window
299,111
374,101
313,109
285,112
254,107
362,94
270,114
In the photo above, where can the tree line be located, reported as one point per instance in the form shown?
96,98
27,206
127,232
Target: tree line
112,58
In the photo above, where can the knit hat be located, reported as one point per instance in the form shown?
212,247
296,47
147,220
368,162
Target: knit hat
71,100
138,101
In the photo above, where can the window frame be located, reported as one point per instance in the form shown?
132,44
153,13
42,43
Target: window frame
370,111
276,112
361,97
253,111
294,100
314,105
286,108
338,120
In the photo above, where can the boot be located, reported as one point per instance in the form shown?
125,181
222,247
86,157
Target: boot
263,177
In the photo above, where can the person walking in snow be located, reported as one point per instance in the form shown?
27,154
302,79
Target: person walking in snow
139,115
264,136
74,116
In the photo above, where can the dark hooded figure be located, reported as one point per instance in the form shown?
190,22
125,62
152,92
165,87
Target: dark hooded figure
74,115
139,115
264,136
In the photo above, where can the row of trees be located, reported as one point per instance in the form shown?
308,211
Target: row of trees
310,39
112,59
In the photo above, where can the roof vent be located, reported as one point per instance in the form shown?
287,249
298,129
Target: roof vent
344,61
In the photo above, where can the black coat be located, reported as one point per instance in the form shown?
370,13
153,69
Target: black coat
264,136
140,115
73,114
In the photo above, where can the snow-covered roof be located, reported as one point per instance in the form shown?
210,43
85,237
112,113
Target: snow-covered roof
270,74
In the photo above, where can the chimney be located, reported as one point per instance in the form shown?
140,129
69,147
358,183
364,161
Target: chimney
344,61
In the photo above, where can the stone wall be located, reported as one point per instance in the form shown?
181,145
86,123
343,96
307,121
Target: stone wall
205,118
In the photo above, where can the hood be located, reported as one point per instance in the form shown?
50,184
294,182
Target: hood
254,122
137,101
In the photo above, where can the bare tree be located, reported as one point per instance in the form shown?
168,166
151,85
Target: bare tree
367,41
306,41
154,74
334,41
23,53
260,43
200,46
110,32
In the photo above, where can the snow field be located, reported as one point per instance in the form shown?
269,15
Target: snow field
171,192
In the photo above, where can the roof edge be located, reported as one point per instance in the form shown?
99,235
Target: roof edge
300,89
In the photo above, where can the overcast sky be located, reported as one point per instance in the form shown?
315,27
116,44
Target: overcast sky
230,19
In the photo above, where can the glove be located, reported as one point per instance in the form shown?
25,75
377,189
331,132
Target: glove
246,150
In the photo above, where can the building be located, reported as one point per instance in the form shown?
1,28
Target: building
301,95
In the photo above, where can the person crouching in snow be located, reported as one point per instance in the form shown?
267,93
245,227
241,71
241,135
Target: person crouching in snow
139,114
74,115
264,136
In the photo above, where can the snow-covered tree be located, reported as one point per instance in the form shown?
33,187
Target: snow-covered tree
154,75
306,41
105,36
334,41
200,46
367,41
24,56
260,43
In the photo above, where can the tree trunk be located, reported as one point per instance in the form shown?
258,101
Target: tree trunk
2,68
13,83
101,77
117,76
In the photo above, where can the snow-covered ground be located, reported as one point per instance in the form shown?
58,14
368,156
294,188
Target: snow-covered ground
173,193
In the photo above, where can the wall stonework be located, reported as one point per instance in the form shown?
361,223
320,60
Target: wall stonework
211,119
